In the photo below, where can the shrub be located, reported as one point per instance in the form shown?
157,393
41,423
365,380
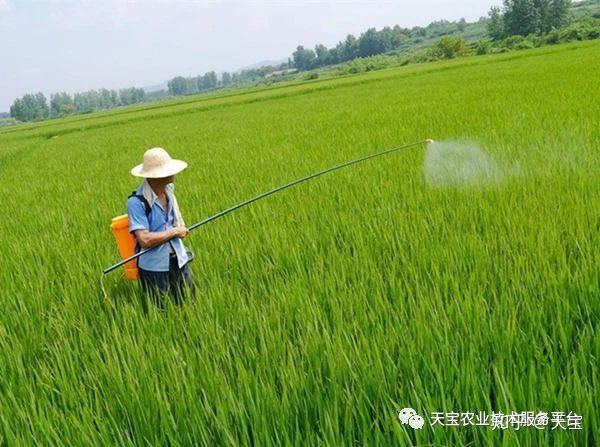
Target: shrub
512,41
449,47
535,40
553,37
592,33
590,29
525,45
483,46
571,33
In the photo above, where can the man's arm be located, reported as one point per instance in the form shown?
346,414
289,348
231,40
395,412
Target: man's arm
149,239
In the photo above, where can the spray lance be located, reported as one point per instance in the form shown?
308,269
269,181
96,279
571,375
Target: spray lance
220,214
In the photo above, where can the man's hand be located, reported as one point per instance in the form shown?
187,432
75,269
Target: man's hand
180,232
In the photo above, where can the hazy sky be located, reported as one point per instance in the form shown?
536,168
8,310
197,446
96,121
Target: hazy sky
78,45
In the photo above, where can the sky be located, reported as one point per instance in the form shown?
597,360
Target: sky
78,45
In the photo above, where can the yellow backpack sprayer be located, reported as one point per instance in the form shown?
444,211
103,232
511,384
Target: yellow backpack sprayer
126,244
126,241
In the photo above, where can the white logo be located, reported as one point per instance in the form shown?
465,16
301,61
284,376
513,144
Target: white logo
409,416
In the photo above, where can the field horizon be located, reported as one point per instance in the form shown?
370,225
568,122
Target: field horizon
460,277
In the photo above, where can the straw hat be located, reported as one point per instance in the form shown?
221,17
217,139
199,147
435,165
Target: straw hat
158,164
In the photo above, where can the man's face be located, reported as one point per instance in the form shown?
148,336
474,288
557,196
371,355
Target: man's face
170,179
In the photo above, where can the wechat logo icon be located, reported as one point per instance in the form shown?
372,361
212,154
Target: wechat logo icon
408,416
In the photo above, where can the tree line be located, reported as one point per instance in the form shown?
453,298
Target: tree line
210,81
34,107
515,18
370,43
185,86
525,17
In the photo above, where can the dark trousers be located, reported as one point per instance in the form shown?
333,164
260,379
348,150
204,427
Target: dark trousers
176,283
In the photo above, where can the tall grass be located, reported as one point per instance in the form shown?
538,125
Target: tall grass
324,310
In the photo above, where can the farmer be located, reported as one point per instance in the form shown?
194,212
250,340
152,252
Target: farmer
155,220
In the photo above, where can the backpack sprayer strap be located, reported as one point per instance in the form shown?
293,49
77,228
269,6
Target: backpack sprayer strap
147,206
148,210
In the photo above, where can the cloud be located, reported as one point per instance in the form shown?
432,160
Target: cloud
4,7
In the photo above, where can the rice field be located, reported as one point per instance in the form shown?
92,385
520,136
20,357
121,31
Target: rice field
324,310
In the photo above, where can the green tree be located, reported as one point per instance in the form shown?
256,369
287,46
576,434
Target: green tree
400,36
225,79
370,43
303,59
495,26
61,104
131,95
106,100
322,55
114,98
552,14
525,17
210,80
177,86
559,13
43,104
334,55
543,14
418,31
386,39
30,108
349,48
87,101
520,17
193,85
17,109
139,95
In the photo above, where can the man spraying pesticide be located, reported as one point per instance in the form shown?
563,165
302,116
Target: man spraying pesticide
163,229
154,227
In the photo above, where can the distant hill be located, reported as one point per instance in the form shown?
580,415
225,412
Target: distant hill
156,87
260,64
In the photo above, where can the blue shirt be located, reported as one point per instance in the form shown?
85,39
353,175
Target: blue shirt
157,259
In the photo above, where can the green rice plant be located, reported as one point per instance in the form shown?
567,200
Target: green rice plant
324,310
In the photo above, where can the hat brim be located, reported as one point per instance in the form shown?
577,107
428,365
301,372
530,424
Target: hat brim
171,168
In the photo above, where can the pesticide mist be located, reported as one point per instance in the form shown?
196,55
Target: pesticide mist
452,163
